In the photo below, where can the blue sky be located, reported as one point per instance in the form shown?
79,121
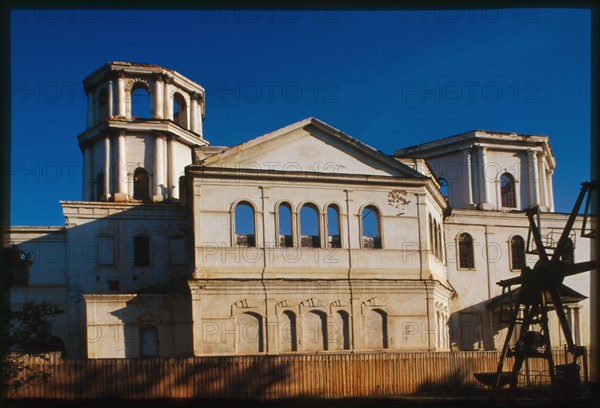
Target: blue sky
391,79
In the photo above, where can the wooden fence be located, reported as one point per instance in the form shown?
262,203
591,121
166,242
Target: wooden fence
284,376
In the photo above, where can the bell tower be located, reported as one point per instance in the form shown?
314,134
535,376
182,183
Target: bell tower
143,121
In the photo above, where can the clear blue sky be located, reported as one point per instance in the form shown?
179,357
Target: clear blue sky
390,79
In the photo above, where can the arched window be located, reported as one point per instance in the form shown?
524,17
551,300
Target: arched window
431,236
443,187
244,225
377,329
507,190
309,227
250,333
436,243
339,331
466,259
517,253
141,106
568,254
179,110
288,332
141,184
314,331
284,222
102,107
333,227
148,341
370,222
99,186
440,243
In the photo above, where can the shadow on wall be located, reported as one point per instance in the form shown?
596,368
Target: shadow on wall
476,328
144,250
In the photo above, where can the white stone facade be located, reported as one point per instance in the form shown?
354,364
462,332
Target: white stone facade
303,240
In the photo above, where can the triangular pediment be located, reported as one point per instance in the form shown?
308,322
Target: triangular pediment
310,146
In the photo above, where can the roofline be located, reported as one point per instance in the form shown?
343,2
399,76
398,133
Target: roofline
377,154
491,138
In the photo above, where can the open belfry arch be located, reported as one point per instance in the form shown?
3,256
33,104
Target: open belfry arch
303,240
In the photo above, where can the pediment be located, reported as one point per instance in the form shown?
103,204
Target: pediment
310,146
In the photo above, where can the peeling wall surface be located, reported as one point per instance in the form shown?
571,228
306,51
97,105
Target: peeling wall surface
303,240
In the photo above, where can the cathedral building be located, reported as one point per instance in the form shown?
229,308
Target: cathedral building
302,240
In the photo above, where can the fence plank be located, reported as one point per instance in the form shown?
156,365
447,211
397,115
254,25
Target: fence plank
264,377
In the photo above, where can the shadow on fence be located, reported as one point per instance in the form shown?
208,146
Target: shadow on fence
270,377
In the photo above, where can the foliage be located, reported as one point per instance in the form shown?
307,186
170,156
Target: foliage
18,263
29,335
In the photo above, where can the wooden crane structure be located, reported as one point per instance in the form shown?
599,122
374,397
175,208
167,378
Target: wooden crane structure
538,287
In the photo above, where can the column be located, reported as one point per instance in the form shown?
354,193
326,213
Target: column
121,98
469,177
167,100
194,113
158,97
534,190
90,108
576,327
544,192
88,174
122,194
323,233
172,173
111,99
159,168
199,116
550,192
484,190
423,226
107,167
296,238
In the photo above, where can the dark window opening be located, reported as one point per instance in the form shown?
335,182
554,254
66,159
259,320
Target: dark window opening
244,225
141,184
465,252
141,250
309,227
568,253
284,219
113,285
179,110
507,191
517,252
371,236
141,106
333,227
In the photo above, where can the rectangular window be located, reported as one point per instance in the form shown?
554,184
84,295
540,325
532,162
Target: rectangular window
141,250
106,251
113,286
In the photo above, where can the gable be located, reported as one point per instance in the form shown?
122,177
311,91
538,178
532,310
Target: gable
310,146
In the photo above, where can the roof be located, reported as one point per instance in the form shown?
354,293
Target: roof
567,295
311,121
496,139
